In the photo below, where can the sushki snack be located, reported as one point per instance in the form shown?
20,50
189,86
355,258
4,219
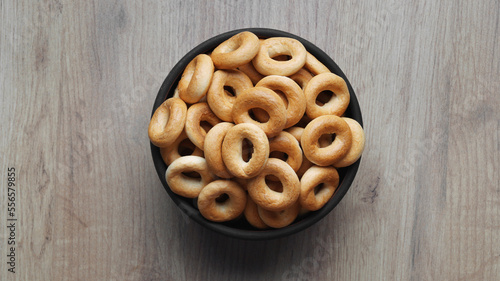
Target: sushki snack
255,131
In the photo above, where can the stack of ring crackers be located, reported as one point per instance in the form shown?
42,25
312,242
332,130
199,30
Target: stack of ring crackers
255,131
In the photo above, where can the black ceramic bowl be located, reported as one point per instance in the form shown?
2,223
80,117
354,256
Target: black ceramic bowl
240,228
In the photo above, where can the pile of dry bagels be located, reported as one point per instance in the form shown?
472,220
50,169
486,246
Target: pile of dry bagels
255,129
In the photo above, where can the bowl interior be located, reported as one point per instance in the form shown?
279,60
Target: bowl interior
240,228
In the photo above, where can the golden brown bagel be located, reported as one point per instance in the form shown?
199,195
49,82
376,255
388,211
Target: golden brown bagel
263,98
312,199
219,101
196,78
295,98
326,124
279,219
301,77
357,146
213,149
178,149
184,185
314,65
196,114
230,208
252,214
286,143
271,200
326,82
236,51
167,122
276,46
232,153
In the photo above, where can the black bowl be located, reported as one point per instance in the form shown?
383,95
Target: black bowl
240,228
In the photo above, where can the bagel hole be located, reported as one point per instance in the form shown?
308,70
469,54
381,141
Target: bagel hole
324,97
274,183
222,198
205,126
325,140
186,147
278,154
259,115
191,174
246,149
318,188
229,91
282,57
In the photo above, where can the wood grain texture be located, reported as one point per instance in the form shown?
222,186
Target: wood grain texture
78,80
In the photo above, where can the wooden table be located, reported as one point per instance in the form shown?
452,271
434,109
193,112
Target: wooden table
78,80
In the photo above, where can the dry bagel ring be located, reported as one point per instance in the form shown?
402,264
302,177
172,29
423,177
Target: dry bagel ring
236,51
275,46
252,214
220,102
314,65
286,143
266,99
186,186
167,122
196,114
302,77
251,72
296,132
172,152
357,146
279,219
326,124
266,197
228,210
296,100
326,82
232,150
311,199
213,149
196,79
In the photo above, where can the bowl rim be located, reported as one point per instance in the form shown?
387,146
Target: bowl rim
166,91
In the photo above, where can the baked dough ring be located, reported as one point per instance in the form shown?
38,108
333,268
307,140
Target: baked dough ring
357,146
314,65
312,199
196,114
176,149
326,124
296,132
286,143
281,218
232,150
276,46
271,200
301,77
219,101
236,51
251,72
186,186
327,82
167,122
252,214
196,79
213,149
296,100
266,99
231,208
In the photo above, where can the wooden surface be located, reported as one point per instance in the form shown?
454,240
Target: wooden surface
78,80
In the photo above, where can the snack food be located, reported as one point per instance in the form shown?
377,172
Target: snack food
257,110
218,209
